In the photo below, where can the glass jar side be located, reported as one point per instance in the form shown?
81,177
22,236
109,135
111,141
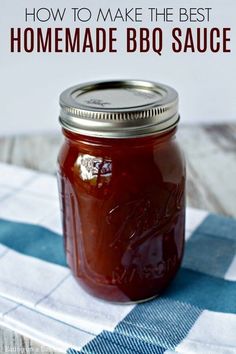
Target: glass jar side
123,211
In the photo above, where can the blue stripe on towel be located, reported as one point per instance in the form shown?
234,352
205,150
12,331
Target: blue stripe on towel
33,240
116,343
203,291
150,328
218,225
160,322
212,246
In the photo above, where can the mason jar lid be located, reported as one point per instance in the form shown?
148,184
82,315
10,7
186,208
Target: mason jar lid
119,109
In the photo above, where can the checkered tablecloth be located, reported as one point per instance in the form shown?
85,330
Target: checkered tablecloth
40,299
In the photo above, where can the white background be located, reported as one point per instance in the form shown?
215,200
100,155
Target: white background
31,83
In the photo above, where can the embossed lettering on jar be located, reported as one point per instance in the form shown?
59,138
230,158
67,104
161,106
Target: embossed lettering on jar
122,188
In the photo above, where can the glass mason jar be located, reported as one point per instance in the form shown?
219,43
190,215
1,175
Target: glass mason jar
122,188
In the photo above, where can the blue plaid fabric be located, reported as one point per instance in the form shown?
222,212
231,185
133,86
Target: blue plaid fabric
40,298
163,323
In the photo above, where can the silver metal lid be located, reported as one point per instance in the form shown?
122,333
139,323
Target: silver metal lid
119,109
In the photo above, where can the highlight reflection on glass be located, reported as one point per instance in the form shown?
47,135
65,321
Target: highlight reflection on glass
95,170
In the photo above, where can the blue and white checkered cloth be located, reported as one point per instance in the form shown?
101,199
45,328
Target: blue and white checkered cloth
40,299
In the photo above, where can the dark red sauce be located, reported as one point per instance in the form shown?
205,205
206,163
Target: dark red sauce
123,206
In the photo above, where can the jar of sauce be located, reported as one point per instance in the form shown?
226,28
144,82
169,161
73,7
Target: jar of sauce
122,188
